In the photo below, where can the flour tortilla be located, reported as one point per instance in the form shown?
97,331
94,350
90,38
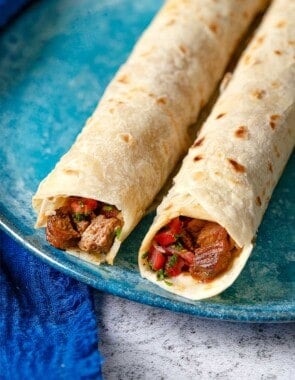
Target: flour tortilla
139,130
231,170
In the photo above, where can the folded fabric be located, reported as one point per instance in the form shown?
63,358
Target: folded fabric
47,321
9,8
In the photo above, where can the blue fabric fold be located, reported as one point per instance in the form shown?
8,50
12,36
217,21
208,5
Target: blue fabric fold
8,8
48,328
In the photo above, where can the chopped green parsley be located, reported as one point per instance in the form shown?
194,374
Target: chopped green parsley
145,255
118,231
172,261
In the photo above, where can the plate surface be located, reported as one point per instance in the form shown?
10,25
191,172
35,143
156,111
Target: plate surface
56,60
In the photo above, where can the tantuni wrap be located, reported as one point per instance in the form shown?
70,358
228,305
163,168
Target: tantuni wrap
204,229
101,187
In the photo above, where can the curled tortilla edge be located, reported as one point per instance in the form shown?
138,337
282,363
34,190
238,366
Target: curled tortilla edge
185,285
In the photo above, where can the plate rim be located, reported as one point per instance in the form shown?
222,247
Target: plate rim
230,313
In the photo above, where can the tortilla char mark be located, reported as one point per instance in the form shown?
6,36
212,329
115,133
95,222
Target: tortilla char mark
198,158
239,168
242,132
199,142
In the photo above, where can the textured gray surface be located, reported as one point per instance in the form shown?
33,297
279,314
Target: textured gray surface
143,342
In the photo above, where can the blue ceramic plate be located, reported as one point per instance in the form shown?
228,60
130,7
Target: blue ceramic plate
56,59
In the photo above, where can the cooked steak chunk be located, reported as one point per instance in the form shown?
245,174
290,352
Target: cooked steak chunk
99,235
194,227
211,233
81,225
60,231
210,260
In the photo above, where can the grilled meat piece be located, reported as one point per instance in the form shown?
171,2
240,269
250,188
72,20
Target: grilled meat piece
211,233
60,231
210,260
99,235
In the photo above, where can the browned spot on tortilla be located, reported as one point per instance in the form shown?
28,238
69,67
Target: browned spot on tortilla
199,176
257,62
123,79
126,137
270,168
258,94
291,42
275,84
199,142
258,201
119,102
238,167
272,124
71,171
278,52
111,110
274,117
235,180
198,158
168,206
247,59
151,95
281,24
161,100
277,152
220,115
259,41
273,120
183,49
242,132
171,22
214,27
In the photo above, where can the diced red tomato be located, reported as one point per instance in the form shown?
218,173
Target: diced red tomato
165,238
83,205
175,226
174,265
156,259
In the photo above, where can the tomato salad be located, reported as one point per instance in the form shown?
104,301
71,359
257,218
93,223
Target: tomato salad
201,248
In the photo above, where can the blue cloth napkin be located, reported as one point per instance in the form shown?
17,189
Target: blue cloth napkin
47,321
48,327
9,8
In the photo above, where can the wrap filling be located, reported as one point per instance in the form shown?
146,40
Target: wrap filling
201,248
84,223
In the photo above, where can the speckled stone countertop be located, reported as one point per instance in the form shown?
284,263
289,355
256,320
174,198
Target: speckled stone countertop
143,342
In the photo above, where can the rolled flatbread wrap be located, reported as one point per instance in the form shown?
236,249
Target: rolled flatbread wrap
204,229
100,189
